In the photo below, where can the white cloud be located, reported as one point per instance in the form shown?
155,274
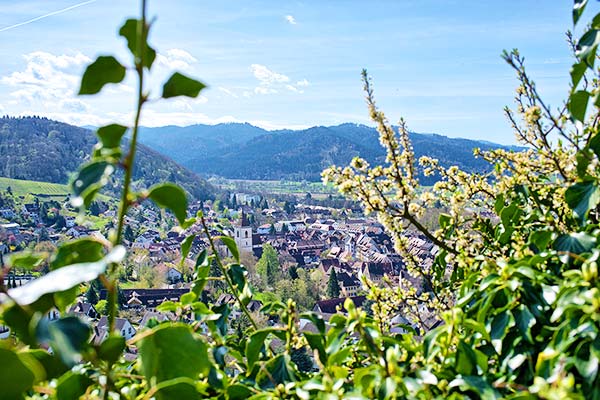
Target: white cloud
48,81
45,69
270,81
291,19
292,88
176,59
266,76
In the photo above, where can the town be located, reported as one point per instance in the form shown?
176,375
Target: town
315,252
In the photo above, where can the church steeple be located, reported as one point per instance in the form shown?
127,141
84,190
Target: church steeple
243,234
244,222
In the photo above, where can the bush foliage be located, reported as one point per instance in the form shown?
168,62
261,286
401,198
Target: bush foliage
515,282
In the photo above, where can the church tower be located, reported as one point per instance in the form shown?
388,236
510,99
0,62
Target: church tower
242,234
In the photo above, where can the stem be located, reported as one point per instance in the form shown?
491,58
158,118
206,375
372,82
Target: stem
128,164
227,278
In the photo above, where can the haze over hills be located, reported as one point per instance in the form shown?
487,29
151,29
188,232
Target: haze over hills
41,149
243,151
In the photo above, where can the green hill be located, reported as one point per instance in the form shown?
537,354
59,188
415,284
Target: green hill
40,149
243,151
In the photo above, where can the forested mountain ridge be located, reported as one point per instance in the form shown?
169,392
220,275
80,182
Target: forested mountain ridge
41,149
242,151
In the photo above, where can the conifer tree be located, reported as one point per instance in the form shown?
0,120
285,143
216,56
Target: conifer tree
91,296
333,287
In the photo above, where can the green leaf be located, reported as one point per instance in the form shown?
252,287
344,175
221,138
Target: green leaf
168,195
577,72
477,327
89,180
238,392
181,85
255,345
106,69
578,8
466,362
111,135
577,106
540,239
576,243
316,342
64,278
111,349
524,320
129,31
72,386
238,274
67,336
172,351
25,260
444,220
277,370
77,251
230,243
201,273
16,377
582,197
51,364
587,45
186,245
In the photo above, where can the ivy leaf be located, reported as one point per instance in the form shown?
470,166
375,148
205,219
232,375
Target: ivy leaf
181,85
170,352
574,243
16,376
106,69
582,197
168,195
110,135
129,31
577,106
64,278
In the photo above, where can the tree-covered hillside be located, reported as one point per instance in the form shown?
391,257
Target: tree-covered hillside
41,149
241,151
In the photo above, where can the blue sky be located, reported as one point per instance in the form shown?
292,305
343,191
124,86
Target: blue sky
292,64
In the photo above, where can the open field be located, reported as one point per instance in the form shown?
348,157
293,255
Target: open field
23,188
316,189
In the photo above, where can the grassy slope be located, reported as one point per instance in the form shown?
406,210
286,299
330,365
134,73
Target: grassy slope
22,188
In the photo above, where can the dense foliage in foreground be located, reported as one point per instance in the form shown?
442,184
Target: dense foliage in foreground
515,282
